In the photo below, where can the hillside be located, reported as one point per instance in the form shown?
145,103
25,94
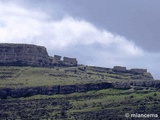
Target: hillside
44,87
15,77
79,92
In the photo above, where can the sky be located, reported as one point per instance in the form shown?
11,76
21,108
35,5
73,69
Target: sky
104,33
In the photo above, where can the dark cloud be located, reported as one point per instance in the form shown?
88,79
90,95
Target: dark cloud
138,20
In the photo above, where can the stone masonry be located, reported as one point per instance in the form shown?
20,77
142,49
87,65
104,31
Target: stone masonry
23,55
57,57
119,69
138,71
71,61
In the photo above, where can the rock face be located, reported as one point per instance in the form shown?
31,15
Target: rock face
150,83
23,55
121,85
67,89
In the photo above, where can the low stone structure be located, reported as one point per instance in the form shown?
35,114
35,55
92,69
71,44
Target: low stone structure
66,61
119,69
138,71
23,55
57,57
56,60
71,61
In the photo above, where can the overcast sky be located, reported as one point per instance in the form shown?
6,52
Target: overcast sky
97,32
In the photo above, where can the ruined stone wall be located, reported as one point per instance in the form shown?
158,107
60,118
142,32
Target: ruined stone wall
57,57
139,71
23,55
119,69
71,61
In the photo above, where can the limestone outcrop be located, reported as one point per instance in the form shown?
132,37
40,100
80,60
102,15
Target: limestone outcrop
121,85
67,89
23,55
150,83
51,90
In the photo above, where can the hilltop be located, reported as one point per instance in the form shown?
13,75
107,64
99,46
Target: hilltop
30,55
37,56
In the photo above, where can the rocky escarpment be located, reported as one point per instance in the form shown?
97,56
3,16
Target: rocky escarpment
67,89
23,55
29,91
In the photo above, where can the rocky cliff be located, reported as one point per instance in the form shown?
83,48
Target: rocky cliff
67,89
23,55
51,90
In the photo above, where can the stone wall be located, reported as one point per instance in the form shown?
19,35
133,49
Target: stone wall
119,69
57,57
138,71
71,61
23,55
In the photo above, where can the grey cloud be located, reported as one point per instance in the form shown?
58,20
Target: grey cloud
138,20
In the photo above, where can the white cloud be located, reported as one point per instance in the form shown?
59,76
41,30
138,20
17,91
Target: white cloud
70,36
23,25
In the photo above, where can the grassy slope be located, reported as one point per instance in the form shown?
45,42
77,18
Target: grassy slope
36,76
102,104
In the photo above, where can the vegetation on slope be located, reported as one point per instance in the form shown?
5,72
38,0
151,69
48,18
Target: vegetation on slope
17,77
91,105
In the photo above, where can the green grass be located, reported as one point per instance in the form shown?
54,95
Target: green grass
91,103
16,77
95,104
